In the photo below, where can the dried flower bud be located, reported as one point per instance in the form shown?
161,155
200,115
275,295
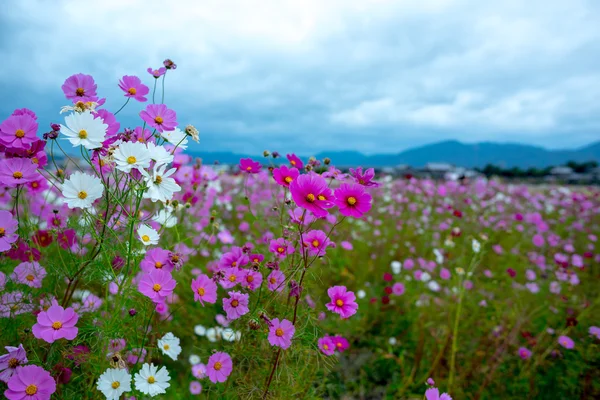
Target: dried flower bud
254,324
190,130
169,64
327,161
132,312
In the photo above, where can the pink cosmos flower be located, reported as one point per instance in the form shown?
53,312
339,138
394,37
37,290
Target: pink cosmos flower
15,303
157,285
301,217
281,333
115,345
8,227
342,301
134,88
195,387
159,117
199,371
17,171
252,279
18,131
249,166
281,247
236,305
136,356
10,362
205,289
276,281
566,342
284,175
219,367
30,382
340,342
365,179
29,273
157,258
434,394
538,240
353,200
311,193
398,289
524,353
56,323
232,276
595,331
326,345
295,161
80,87
316,241
157,73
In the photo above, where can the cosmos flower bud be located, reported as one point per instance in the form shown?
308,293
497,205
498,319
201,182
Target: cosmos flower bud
266,153
327,161
132,312
169,64
275,154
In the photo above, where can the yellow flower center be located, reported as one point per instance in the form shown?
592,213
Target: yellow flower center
13,363
158,119
321,197
131,160
232,278
80,92
82,195
273,281
218,366
293,162
17,174
146,238
2,232
166,347
35,161
115,385
279,332
158,180
351,200
57,325
19,133
280,250
310,197
30,278
234,303
156,287
31,389
339,302
315,243
250,278
326,347
83,134
288,179
339,344
151,379
248,168
201,291
132,91
158,265
234,264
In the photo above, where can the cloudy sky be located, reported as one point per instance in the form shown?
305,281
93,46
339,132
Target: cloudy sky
303,76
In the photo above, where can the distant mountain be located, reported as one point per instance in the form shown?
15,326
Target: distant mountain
452,151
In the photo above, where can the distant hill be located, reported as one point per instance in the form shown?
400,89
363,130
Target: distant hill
452,151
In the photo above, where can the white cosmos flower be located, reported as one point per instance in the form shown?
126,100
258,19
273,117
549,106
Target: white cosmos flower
361,294
114,382
148,235
425,277
393,341
396,267
176,137
160,186
81,190
166,218
228,334
194,359
434,286
152,381
159,154
476,246
84,130
200,330
211,334
169,345
131,155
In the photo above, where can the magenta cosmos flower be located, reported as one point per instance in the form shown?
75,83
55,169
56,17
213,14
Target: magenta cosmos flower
281,247
157,258
219,367
326,345
342,301
311,193
56,323
365,179
353,200
249,166
236,305
340,342
30,383
205,289
18,131
524,353
134,88
29,273
10,362
281,333
231,277
284,175
17,171
316,242
80,87
295,161
276,281
159,117
566,342
157,73
434,394
594,331
8,227
252,279
157,285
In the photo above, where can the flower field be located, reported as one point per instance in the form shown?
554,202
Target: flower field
131,270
